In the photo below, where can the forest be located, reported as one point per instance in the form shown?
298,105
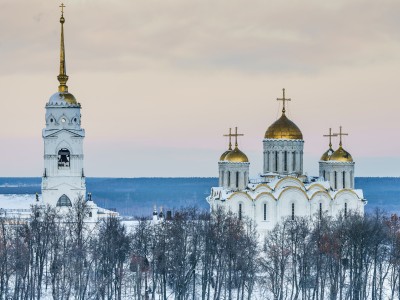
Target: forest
198,255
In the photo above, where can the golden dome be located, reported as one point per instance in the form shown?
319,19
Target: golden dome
341,155
283,128
223,156
326,156
236,155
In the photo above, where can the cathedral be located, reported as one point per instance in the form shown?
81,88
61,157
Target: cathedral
283,190
63,180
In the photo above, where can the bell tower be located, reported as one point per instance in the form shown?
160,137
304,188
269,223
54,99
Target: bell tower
63,178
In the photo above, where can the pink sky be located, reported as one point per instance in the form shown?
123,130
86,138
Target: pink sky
160,82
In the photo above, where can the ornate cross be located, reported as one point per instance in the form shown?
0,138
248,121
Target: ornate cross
341,134
330,135
230,138
62,8
283,99
236,134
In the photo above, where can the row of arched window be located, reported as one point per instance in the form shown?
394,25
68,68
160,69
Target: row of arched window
275,166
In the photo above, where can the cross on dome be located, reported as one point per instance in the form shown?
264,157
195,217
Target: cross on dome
330,135
230,138
236,134
341,134
283,99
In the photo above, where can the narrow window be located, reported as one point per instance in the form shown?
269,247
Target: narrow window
267,161
320,210
285,160
90,214
294,161
237,179
240,211
229,178
292,211
335,180
276,161
63,158
345,209
265,211
344,179
324,175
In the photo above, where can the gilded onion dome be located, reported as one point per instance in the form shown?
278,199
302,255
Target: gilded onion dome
341,155
223,155
236,155
283,128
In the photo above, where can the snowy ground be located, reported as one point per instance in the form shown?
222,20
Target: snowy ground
17,201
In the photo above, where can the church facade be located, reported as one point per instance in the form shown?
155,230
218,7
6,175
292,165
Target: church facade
283,190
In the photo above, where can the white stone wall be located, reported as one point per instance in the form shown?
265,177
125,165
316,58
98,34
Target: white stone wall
228,177
277,151
328,169
63,131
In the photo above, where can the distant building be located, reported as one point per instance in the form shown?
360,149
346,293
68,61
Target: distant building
283,190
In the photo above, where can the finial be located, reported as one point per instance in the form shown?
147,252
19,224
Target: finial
283,99
236,134
341,134
62,77
230,138
330,135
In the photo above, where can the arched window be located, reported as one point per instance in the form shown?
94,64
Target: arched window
265,211
285,166
276,161
237,179
64,201
294,161
90,214
64,158
335,180
345,209
240,211
293,211
229,178
320,210
324,175
267,161
344,179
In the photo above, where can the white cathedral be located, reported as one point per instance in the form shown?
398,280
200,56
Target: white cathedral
283,190
63,180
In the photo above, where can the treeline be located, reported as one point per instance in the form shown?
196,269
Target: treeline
196,255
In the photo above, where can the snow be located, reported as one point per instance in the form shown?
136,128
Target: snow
14,201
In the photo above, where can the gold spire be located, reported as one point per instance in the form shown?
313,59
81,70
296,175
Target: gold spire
62,77
283,99
330,135
230,138
341,134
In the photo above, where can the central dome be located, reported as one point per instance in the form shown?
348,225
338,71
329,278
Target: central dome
61,97
285,129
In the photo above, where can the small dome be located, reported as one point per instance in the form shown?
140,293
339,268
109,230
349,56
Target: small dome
283,128
236,155
223,155
326,156
60,97
341,155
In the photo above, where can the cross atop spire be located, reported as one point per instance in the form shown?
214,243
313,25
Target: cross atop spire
283,99
341,134
330,135
62,9
62,77
236,134
230,138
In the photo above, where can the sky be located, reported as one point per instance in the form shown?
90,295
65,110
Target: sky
160,82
